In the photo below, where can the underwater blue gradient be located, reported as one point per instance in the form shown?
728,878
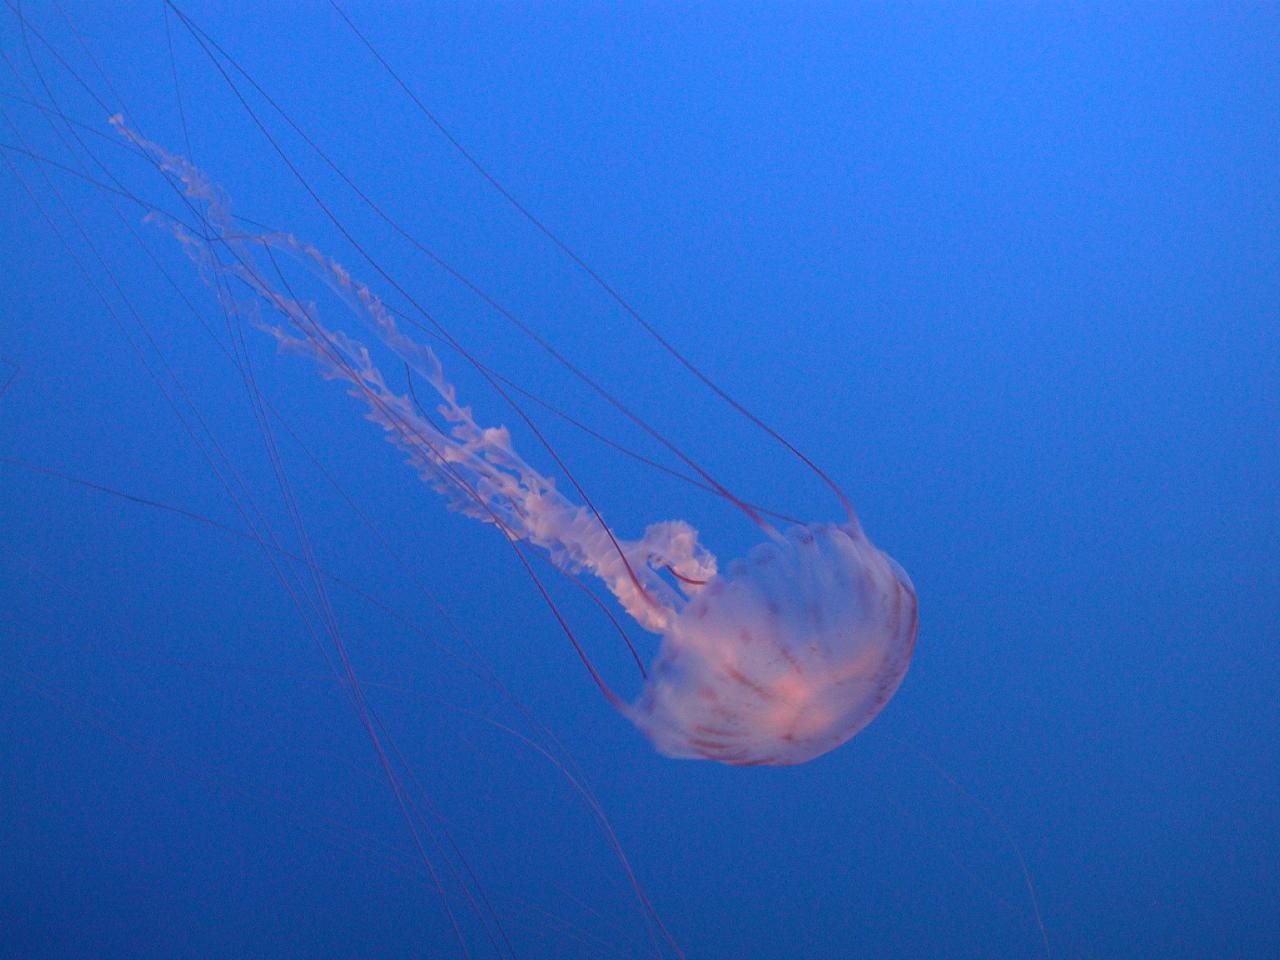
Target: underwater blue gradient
1009,273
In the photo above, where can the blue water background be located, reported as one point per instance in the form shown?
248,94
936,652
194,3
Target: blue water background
1008,273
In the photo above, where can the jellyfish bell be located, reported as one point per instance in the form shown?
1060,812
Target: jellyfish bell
785,656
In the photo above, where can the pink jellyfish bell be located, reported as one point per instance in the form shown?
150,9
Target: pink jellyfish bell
785,656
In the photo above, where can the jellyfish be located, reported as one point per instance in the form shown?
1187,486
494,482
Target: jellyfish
772,659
